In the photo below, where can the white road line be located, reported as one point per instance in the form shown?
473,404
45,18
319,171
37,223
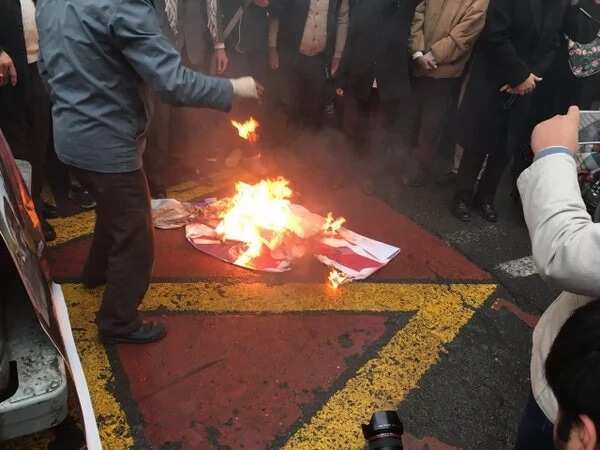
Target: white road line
519,268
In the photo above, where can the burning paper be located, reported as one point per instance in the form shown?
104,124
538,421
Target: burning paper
247,130
260,228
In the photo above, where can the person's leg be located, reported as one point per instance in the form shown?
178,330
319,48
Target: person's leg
470,166
126,228
436,97
312,89
157,147
535,430
398,124
96,264
489,182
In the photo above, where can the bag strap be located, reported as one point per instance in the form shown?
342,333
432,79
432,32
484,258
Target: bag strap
236,19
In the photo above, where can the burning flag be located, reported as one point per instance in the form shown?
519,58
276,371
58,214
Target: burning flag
259,228
258,215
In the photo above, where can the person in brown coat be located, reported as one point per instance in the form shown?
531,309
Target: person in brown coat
443,34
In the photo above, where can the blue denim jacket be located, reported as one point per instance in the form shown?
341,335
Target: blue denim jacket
97,57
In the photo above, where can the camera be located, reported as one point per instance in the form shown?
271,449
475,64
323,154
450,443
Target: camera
384,431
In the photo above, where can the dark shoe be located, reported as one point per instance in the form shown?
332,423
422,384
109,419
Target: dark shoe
446,179
49,211
147,332
461,210
487,211
47,230
82,197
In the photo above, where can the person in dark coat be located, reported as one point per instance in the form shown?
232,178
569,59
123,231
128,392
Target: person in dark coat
25,110
308,40
513,58
376,54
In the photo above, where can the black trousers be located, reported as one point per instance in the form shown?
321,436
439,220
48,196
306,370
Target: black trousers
307,78
470,167
27,130
433,102
122,252
535,430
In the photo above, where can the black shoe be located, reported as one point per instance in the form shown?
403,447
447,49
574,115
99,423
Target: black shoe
82,197
488,211
47,230
49,211
147,332
461,210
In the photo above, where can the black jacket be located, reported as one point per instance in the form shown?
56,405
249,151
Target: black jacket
12,41
377,48
520,37
292,15
250,35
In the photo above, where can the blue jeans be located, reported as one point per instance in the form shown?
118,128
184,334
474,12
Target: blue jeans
535,430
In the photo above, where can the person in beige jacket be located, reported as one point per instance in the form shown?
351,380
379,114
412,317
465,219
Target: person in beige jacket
443,34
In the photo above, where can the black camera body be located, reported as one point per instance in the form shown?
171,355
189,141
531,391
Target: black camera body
384,431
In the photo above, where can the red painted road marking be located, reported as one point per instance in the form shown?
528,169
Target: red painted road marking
240,380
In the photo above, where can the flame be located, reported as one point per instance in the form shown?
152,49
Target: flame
332,225
258,215
247,130
337,278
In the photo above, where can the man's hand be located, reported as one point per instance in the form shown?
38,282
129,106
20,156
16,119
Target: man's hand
221,60
247,87
8,73
262,3
427,62
560,131
526,87
273,58
335,65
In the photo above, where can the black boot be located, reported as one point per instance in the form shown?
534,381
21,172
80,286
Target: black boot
461,208
486,208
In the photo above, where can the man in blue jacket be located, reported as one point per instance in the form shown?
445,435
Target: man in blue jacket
98,57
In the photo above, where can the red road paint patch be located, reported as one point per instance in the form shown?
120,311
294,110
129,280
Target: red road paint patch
529,319
240,381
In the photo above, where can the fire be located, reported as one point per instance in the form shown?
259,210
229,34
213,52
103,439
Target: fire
247,130
331,225
337,278
258,215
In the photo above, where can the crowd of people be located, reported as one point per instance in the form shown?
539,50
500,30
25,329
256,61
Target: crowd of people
90,92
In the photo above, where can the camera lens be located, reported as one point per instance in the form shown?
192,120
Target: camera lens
384,431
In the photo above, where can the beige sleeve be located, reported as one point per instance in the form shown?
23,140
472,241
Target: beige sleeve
416,42
273,31
342,28
462,37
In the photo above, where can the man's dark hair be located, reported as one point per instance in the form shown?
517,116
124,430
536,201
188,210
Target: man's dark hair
573,369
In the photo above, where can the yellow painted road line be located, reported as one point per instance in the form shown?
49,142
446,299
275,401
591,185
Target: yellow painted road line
112,420
384,381
82,224
441,311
